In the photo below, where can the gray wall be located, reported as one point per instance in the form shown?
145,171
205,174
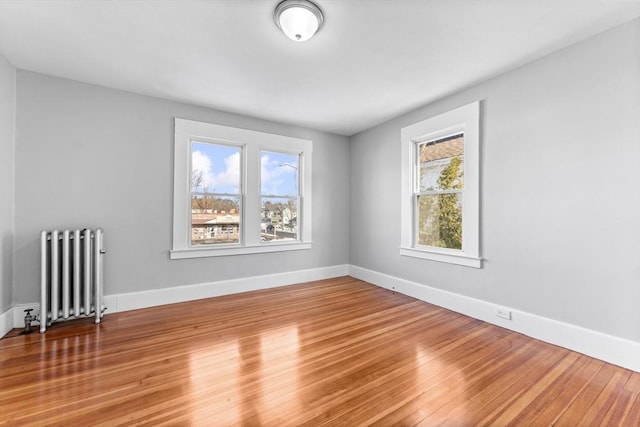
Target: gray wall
560,207
88,156
560,201
7,132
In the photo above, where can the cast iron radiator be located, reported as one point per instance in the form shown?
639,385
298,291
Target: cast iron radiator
70,275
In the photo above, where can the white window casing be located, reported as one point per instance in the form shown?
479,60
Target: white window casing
466,120
251,142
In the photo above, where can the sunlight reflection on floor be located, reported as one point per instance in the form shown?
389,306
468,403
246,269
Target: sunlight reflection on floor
215,394
251,381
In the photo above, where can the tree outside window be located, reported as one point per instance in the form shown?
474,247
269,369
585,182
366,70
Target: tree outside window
439,200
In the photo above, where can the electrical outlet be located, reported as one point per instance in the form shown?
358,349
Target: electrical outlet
504,313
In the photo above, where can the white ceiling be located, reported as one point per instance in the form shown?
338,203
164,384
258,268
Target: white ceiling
372,60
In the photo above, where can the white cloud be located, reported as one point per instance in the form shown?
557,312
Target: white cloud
201,162
228,179
274,176
225,181
269,173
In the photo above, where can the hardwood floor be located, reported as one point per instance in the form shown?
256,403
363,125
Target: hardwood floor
333,352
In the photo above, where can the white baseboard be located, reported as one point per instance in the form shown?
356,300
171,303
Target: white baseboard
6,321
152,298
619,351
611,349
14,317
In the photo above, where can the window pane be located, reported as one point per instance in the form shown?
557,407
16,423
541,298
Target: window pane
279,218
215,168
215,220
440,164
215,194
278,174
440,220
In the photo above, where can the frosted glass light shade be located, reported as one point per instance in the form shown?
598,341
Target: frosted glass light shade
298,19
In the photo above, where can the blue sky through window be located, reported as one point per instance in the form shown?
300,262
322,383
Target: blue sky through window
279,174
220,168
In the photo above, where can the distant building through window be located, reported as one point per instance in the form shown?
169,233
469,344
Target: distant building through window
216,198
280,198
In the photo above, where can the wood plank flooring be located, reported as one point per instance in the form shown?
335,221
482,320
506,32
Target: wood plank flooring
334,352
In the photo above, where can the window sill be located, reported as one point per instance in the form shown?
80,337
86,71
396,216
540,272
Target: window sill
448,257
212,252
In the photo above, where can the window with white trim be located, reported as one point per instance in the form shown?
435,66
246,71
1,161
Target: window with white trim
440,207
280,197
216,197
238,191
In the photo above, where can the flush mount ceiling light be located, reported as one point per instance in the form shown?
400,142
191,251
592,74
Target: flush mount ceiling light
298,19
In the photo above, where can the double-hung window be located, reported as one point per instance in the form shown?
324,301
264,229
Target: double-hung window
239,191
440,187
216,196
280,198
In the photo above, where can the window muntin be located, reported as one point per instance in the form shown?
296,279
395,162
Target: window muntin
216,196
438,201
280,198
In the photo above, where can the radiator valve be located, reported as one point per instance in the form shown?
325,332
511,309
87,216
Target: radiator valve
28,318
